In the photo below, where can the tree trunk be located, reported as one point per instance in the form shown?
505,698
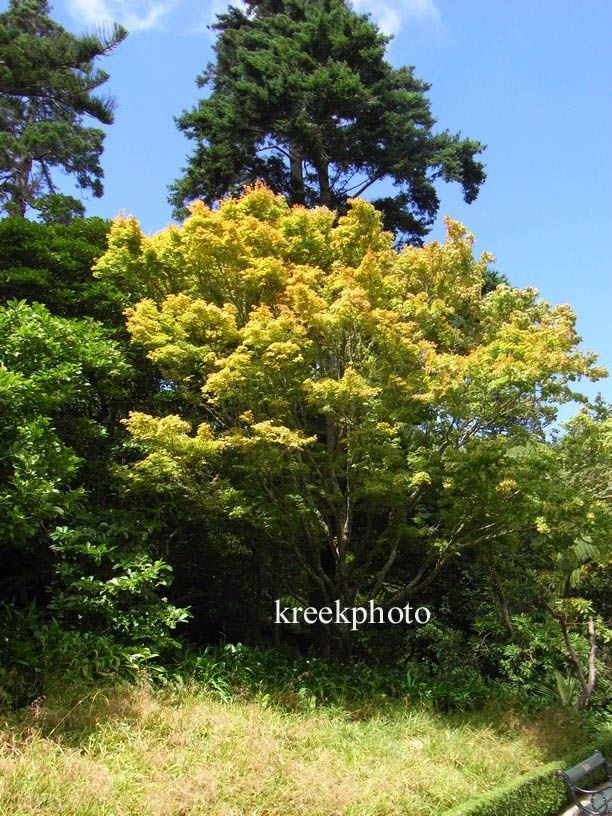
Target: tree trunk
586,686
297,174
20,198
324,190
275,594
254,628
587,689
498,591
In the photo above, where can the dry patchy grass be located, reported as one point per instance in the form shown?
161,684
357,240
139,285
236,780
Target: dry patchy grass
129,752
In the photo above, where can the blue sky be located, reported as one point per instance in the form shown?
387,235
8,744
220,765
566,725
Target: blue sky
529,79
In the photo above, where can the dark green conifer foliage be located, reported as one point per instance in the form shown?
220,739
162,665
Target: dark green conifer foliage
48,81
302,98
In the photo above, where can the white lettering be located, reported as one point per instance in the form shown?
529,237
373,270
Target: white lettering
424,609
307,612
280,616
325,610
374,609
362,611
395,609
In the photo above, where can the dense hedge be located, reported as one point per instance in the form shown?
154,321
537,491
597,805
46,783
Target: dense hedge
539,793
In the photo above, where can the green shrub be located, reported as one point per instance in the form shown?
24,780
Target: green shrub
108,581
38,653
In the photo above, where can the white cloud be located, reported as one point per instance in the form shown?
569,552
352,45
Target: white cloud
138,15
135,15
391,14
212,9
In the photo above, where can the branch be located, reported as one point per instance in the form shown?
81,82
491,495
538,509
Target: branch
584,694
498,589
368,184
275,147
387,566
411,588
582,701
47,176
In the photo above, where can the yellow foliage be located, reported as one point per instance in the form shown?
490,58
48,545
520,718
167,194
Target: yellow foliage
294,335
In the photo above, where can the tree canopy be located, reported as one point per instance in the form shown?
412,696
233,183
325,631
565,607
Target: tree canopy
303,98
361,407
48,83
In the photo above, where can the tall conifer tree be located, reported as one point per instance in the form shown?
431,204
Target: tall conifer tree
48,81
303,98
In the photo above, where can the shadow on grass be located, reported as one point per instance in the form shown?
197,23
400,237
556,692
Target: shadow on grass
73,714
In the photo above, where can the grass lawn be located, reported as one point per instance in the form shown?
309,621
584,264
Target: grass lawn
129,752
